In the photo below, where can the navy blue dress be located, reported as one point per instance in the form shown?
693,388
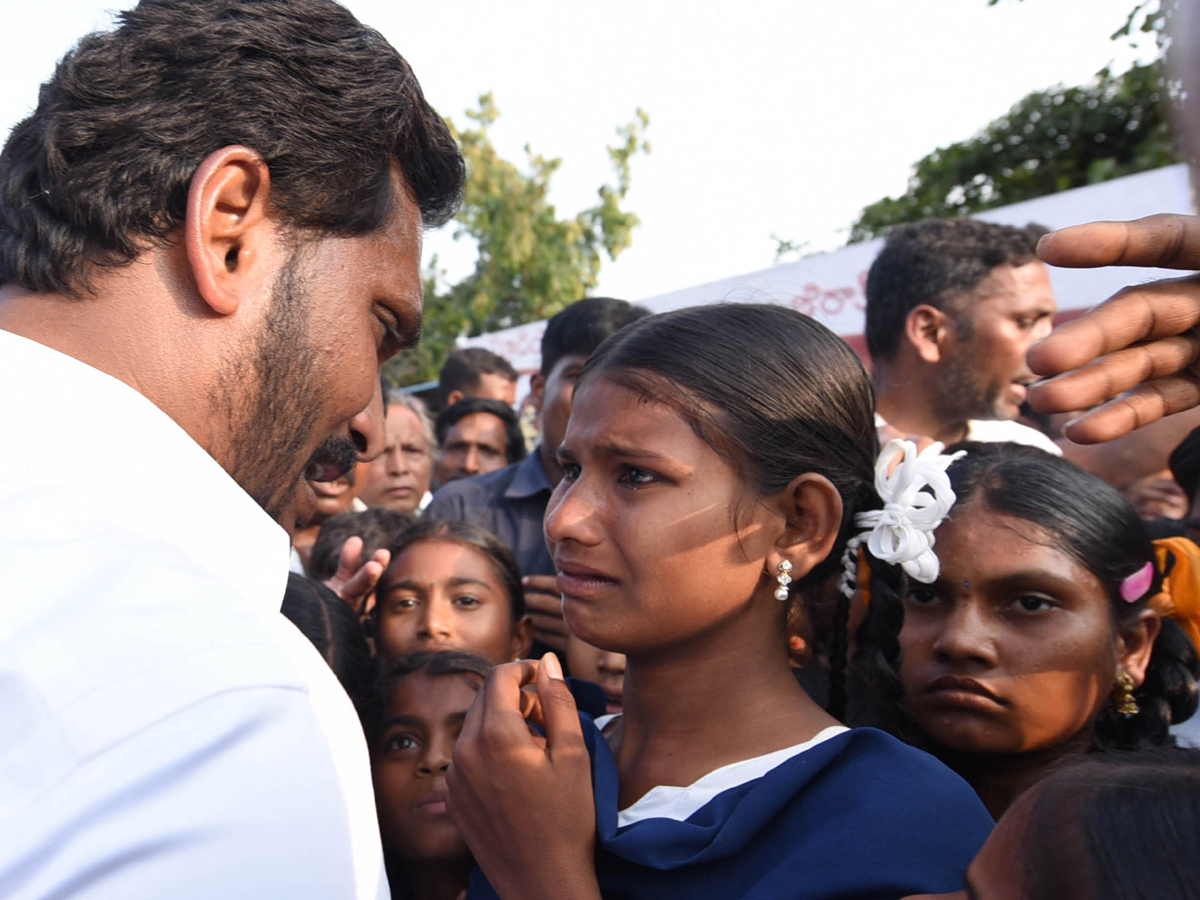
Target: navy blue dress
857,815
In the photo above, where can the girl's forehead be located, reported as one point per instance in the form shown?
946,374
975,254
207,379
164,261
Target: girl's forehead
978,537
604,407
420,694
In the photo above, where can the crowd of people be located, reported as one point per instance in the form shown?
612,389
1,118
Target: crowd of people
746,616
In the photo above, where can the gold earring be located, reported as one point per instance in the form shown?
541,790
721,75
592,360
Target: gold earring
1126,705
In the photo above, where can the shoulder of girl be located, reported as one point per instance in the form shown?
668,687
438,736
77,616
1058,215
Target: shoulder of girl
903,777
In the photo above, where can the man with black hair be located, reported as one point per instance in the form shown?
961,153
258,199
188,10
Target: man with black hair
476,372
210,227
512,501
953,305
477,436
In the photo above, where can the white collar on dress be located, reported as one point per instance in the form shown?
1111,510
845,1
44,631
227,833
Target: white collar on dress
668,801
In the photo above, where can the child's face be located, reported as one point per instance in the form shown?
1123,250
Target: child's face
442,595
424,718
1014,648
603,667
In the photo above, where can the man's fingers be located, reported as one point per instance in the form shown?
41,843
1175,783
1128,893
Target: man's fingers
1144,404
1116,373
560,715
548,624
355,591
1164,241
1143,313
349,558
546,604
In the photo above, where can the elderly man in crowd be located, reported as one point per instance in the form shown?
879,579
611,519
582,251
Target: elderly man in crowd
400,477
211,228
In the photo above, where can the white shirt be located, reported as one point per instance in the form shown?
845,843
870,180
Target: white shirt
997,430
164,731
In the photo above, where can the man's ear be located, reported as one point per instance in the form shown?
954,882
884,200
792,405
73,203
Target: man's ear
926,328
453,397
812,511
1137,644
228,235
537,390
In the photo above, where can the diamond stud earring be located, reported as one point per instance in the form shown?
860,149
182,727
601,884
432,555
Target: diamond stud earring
784,578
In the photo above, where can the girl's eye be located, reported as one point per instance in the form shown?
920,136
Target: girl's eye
404,603
922,596
467,600
635,477
1031,603
399,743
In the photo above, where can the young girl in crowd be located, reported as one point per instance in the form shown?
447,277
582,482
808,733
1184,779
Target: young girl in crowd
1117,826
451,585
420,708
1040,638
717,460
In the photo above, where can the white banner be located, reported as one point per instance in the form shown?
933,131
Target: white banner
830,286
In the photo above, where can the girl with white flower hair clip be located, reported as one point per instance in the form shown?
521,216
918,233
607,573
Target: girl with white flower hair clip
719,464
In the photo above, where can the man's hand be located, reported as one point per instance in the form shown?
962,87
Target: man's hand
1158,496
523,803
355,580
1142,341
543,602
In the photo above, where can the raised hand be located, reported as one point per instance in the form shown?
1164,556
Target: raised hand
523,803
1136,353
355,579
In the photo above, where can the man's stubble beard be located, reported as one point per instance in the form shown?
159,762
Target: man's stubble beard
272,427
960,395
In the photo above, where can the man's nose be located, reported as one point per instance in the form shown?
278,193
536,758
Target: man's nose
367,428
471,461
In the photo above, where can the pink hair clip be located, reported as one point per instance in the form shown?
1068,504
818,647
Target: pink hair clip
1134,587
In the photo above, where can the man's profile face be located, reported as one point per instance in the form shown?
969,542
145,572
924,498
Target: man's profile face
984,375
557,397
341,306
474,445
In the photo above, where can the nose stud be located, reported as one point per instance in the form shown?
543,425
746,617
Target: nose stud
784,578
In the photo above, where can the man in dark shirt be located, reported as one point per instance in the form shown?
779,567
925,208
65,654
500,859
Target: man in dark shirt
512,501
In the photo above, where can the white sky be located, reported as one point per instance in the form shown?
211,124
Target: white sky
766,116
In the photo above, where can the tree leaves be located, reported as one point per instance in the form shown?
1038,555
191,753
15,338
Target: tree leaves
530,263
1049,141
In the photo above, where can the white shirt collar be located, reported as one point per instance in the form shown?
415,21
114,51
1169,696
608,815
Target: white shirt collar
126,462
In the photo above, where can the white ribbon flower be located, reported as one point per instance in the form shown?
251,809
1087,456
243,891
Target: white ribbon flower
901,533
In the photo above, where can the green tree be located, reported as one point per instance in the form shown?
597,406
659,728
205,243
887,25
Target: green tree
1049,141
531,263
